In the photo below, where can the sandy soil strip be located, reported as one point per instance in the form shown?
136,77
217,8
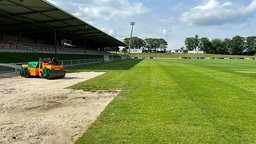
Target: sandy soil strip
35,110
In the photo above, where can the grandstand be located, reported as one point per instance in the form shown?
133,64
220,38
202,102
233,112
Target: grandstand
37,26
21,47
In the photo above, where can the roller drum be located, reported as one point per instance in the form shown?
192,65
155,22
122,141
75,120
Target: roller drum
56,74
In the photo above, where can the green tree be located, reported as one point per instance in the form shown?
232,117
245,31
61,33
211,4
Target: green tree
150,44
126,41
136,43
237,45
218,46
154,43
205,45
192,43
251,45
227,44
189,43
196,39
162,44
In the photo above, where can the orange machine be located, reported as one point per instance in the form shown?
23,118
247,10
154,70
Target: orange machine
45,68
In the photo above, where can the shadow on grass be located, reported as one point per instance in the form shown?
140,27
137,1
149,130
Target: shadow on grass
117,65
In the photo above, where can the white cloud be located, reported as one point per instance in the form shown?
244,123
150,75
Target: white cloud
211,4
102,10
214,12
165,32
103,14
227,4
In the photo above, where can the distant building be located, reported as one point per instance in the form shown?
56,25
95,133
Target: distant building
135,50
176,51
196,52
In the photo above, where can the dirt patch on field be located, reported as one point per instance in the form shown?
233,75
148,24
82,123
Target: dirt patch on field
35,110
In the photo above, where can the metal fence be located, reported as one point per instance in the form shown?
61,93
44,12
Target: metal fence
70,63
9,69
4,69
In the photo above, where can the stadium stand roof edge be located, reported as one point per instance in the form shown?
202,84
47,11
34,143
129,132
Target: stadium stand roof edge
43,20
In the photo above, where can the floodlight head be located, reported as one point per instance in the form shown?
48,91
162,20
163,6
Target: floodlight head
132,23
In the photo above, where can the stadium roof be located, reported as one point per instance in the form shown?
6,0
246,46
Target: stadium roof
39,18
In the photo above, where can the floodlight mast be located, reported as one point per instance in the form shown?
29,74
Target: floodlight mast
132,24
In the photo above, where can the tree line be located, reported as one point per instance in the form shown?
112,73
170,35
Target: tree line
237,45
147,45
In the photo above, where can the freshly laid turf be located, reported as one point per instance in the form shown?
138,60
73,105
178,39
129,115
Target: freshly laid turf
175,101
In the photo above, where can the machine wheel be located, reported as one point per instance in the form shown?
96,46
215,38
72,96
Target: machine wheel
45,73
21,71
26,75
24,72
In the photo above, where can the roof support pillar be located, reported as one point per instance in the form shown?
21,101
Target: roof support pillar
55,41
85,45
19,37
1,36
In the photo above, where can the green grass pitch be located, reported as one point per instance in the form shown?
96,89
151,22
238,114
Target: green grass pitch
175,101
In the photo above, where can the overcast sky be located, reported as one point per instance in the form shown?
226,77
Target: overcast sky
173,20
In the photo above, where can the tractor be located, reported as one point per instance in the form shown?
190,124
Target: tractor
45,68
